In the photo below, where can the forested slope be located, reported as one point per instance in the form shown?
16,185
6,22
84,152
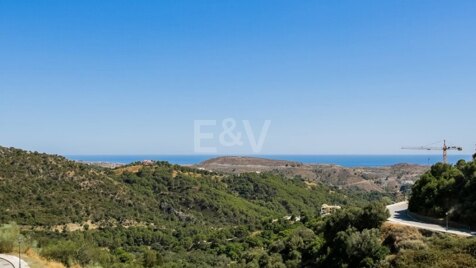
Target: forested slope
447,189
141,211
40,189
162,215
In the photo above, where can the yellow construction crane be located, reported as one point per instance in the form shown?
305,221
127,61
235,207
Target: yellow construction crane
445,149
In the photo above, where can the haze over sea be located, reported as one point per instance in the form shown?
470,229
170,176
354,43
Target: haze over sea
342,160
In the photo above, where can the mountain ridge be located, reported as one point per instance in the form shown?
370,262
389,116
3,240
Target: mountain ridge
50,190
380,179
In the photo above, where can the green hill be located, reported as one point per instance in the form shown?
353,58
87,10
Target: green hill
447,189
45,190
161,215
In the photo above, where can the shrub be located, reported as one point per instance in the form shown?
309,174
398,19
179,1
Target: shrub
9,235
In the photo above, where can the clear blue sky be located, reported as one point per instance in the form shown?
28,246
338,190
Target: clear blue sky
334,77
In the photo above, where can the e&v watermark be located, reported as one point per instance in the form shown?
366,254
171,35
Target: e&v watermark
229,136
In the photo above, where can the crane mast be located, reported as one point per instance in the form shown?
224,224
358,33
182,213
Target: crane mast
445,152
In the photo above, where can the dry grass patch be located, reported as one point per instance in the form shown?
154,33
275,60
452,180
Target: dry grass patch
131,169
404,232
36,261
399,237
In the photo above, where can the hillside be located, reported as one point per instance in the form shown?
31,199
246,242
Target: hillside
155,214
52,199
378,179
44,190
447,189
248,161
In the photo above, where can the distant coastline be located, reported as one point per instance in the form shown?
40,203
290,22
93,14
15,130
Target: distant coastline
341,160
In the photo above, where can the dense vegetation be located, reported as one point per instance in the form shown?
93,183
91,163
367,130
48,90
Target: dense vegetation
162,215
157,213
447,189
44,190
350,237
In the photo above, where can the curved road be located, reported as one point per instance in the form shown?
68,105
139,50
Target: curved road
9,261
398,214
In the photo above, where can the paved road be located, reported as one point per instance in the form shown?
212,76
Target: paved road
398,214
9,261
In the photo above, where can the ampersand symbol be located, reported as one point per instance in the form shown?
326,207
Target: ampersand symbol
229,125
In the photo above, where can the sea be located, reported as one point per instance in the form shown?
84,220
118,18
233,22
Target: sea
341,160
